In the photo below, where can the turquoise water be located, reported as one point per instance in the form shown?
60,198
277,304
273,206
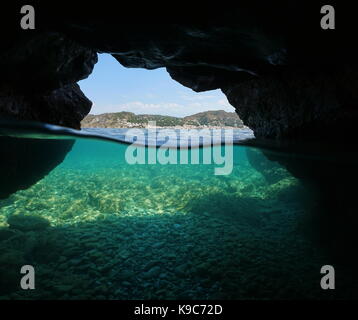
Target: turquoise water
97,227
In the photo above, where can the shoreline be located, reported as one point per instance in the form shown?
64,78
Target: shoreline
169,127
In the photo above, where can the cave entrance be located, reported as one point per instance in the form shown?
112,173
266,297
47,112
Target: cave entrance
121,96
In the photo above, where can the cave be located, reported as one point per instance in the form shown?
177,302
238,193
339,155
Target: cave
294,84
288,95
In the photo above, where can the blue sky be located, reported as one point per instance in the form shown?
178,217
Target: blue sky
113,88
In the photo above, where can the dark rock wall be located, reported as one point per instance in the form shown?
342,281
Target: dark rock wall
39,71
65,106
295,105
38,79
44,61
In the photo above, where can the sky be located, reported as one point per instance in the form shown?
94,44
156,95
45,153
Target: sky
114,88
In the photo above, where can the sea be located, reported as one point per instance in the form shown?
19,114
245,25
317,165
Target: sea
126,216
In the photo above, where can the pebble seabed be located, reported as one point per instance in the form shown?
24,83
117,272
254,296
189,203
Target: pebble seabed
94,230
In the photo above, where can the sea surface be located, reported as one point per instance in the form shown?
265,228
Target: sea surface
97,227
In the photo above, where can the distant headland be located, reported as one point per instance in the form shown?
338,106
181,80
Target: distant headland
207,119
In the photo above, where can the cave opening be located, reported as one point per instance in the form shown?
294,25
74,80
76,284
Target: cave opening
116,89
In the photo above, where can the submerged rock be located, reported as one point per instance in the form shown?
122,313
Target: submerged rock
5,233
271,170
27,223
25,161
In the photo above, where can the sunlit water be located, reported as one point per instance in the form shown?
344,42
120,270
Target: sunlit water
152,231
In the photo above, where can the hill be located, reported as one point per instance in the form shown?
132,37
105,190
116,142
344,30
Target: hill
125,119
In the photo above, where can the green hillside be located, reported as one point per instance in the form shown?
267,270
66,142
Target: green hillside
125,119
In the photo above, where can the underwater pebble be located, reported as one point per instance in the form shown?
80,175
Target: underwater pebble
180,270
62,288
127,241
152,273
124,275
